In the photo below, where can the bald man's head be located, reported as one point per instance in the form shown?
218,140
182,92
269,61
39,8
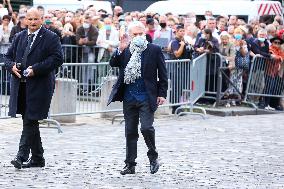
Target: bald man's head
33,11
33,19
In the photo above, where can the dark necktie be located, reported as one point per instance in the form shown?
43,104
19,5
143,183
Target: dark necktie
27,50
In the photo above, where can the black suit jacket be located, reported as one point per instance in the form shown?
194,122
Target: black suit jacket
154,74
45,56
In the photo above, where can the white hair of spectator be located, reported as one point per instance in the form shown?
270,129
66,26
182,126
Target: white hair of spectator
270,27
262,31
224,34
135,24
193,29
253,21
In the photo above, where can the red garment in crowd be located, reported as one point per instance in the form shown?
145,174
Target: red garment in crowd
275,66
151,33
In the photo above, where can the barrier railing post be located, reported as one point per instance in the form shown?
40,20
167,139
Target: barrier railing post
250,77
219,87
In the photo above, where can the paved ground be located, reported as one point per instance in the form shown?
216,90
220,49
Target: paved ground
218,152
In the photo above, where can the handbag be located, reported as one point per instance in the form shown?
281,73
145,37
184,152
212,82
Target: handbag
242,62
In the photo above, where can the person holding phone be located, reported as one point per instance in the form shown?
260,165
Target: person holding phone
241,63
86,38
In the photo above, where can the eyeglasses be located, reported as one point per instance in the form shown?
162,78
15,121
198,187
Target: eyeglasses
277,42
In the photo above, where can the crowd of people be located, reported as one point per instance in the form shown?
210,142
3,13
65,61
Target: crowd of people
180,37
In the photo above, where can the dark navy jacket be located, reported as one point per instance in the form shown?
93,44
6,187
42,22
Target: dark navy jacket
257,49
154,74
45,56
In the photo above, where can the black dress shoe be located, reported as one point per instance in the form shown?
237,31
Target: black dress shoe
17,162
34,163
128,170
154,166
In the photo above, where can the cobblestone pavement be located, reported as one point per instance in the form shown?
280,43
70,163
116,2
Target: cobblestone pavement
218,152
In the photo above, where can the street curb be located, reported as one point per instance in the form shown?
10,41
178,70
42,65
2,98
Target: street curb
236,112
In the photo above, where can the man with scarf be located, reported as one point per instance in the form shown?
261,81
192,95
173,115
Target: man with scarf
142,86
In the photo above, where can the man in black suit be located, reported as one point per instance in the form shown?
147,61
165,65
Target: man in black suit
142,86
31,59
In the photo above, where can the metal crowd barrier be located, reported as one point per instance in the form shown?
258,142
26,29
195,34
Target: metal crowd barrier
3,49
71,53
214,62
84,88
4,91
79,53
194,87
223,75
266,79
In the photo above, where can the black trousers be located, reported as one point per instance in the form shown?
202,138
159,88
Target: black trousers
30,139
132,112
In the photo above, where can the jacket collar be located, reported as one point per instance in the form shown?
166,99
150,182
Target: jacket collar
38,38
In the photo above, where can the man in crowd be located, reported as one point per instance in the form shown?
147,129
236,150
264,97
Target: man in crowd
233,21
179,51
210,24
19,27
48,24
86,36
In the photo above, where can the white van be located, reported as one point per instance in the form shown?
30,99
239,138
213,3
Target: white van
106,5
73,5
245,9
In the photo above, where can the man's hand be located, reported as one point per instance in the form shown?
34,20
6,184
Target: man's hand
16,71
83,41
200,49
182,43
30,72
123,43
160,100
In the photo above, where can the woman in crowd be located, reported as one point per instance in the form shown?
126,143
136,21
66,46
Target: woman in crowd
206,43
241,64
5,31
69,38
274,75
227,50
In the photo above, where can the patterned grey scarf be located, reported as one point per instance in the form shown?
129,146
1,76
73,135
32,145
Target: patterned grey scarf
133,68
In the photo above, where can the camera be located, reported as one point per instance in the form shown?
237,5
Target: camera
188,47
23,71
209,45
19,66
